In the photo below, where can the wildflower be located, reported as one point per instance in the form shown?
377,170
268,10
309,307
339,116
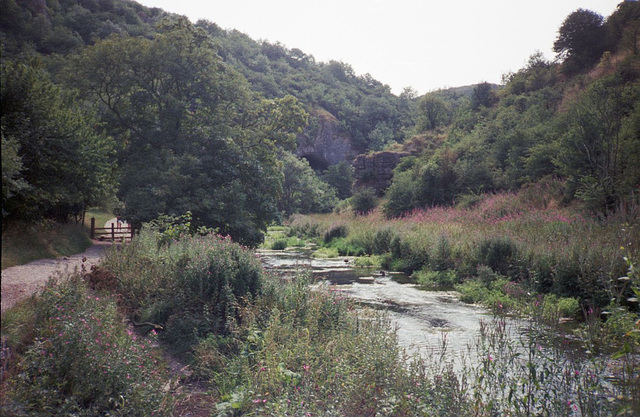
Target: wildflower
306,367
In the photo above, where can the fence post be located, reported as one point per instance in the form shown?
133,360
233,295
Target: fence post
132,231
92,234
113,232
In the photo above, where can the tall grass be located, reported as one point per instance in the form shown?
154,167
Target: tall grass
548,250
189,287
266,345
306,352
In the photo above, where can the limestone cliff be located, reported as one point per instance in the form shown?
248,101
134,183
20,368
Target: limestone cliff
323,143
376,170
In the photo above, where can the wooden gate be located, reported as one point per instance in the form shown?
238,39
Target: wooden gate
117,231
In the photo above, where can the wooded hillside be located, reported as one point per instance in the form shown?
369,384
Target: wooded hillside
104,98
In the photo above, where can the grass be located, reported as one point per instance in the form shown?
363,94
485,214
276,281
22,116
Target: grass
551,250
23,243
101,216
268,345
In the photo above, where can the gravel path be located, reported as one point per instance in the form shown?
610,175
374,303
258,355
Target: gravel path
19,282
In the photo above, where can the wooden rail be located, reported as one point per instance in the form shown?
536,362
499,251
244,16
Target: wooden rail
117,230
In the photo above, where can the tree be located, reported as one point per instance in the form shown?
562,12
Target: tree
581,40
340,177
364,201
302,190
482,96
433,112
191,136
594,151
56,164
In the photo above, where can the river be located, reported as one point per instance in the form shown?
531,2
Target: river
423,319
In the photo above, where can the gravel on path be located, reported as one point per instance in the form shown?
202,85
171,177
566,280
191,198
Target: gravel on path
19,282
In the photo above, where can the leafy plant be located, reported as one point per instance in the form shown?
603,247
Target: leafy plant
84,361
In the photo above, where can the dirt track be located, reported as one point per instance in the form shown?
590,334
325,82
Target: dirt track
19,282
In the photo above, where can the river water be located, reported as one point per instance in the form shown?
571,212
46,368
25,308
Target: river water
423,319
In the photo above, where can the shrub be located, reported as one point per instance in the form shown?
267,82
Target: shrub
405,258
191,287
382,241
85,362
279,244
345,248
374,261
568,307
441,259
486,275
364,201
499,254
335,231
436,280
472,292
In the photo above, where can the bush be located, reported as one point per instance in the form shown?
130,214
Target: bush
382,241
335,231
280,244
436,280
345,248
364,201
441,259
405,258
472,292
85,362
499,254
192,287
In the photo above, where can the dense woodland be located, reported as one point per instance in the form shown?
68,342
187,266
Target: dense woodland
113,103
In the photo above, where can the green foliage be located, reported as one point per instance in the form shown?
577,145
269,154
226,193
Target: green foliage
346,248
280,244
596,149
172,228
369,114
436,280
175,109
191,288
433,112
56,165
400,195
305,352
382,241
335,231
84,361
499,254
340,177
302,190
364,201
581,40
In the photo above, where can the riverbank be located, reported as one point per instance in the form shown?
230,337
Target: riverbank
265,344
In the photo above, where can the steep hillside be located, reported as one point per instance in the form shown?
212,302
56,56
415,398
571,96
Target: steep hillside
574,122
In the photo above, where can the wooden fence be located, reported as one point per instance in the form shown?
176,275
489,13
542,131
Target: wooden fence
117,231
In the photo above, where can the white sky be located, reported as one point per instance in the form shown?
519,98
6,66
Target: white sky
422,44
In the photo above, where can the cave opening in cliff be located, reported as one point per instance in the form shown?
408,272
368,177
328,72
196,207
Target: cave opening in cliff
317,163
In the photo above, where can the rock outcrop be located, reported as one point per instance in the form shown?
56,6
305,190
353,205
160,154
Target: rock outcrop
323,143
375,170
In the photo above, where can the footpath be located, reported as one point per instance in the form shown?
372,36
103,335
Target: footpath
19,282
